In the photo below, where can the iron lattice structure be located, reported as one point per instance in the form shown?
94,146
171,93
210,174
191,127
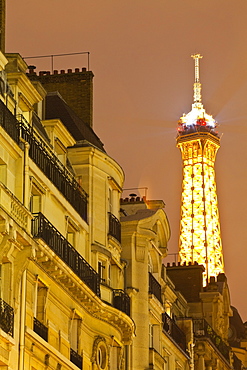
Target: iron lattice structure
200,237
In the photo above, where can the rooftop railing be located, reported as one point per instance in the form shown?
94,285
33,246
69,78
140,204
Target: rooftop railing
114,227
42,228
203,329
171,328
6,318
121,301
154,287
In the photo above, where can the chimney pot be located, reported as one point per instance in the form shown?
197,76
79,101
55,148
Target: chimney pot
32,69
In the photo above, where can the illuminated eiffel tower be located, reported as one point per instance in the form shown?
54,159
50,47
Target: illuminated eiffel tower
198,140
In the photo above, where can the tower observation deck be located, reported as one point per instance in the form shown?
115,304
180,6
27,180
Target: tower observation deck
198,140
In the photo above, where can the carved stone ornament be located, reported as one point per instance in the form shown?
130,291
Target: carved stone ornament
100,354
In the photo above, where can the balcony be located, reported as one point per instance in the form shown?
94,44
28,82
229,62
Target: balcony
15,208
43,229
154,287
9,123
40,329
54,170
45,159
203,329
75,358
114,227
171,328
121,301
6,318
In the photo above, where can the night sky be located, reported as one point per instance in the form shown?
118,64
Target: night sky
140,56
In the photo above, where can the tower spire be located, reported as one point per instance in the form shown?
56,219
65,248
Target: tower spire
198,140
197,84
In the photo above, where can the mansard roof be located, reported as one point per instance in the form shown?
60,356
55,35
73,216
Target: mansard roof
56,107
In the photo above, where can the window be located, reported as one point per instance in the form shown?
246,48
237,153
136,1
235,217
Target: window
5,281
116,357
71,231
41,295
70,236
114,192
60,150
75,339
104,270
166,355
151,336
40,302
154,337
35,197
101,356
3,172
110,200
101,271
75,332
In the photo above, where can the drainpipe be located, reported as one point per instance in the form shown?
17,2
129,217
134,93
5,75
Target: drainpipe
26,174
22,320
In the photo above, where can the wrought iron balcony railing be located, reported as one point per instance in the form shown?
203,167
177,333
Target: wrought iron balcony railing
6,318
203,329
56,172
9,122
114,227
40,329
42,228
171,328
121,301
75,358
154,287
45,160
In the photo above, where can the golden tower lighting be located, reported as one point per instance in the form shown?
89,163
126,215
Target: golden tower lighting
198,140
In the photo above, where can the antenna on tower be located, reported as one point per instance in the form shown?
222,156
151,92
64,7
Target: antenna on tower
197,84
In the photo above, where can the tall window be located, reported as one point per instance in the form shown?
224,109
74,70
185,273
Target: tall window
154,337
102,271
3,172
40,301
60,150
75,332
35,199
71,231
5,281
116,357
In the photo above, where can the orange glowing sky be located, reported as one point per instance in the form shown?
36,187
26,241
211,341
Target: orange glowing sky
140,55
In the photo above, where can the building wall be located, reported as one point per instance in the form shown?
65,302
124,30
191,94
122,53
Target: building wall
53,314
